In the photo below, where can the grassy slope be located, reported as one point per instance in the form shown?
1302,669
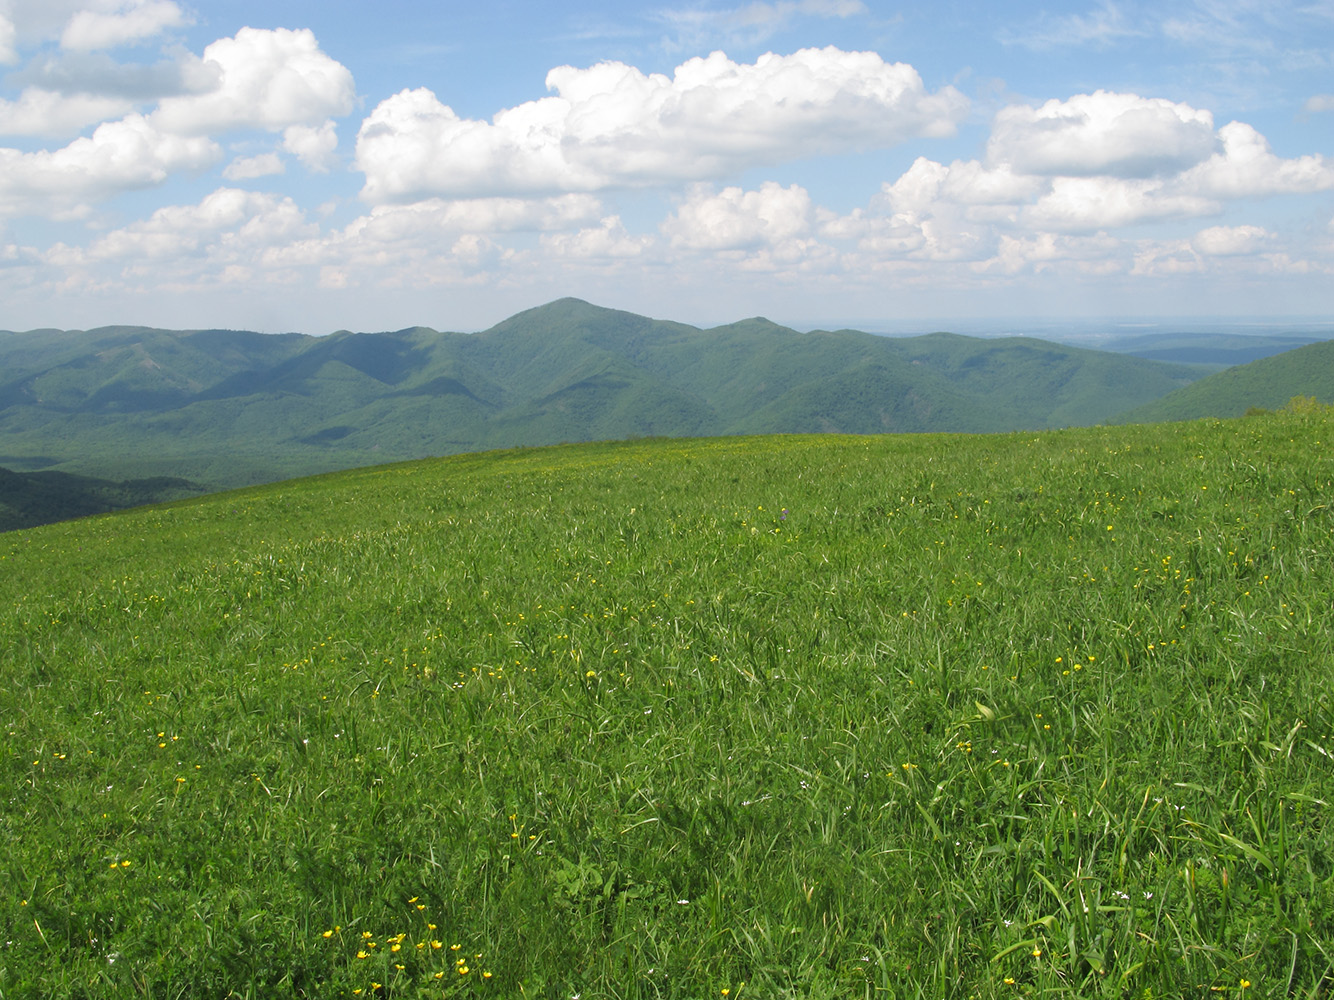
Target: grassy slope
919,716
229,408
1268,383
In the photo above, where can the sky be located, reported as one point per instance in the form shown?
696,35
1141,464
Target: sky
313,166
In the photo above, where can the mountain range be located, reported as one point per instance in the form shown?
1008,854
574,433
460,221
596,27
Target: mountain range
224,408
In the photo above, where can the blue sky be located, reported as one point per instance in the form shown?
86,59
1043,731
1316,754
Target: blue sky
315,166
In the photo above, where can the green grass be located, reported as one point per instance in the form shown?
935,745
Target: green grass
933,716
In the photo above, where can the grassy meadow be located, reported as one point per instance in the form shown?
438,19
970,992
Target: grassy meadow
1035,714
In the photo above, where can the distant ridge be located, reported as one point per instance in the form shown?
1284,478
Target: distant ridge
227,407
1264,384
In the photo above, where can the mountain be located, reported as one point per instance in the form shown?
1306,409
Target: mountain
228,407
1218,350
1265,384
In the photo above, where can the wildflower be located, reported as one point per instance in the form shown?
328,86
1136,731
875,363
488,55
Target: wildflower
1037,952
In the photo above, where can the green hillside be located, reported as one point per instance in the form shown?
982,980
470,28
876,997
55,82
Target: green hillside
1265,384
228,408
977,716
28,499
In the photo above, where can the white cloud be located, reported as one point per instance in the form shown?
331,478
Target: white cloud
734,219
1247,168
611,125
1052,251
118,156
1091,203
84,73
8,41
1166,258
606,241
1093,162
226,222
1102,134
125,22
391,234
752,23
265,79
1229,241
1319,102
313,145
1101,26
247,168
45,113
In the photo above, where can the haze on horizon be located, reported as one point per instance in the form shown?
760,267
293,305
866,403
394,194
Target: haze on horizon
311,166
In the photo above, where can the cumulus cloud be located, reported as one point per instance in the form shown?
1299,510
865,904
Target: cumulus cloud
1102,134
612,125
246,168
389,234
1092,162
226,221
44,113
1054,251
734,219
123,23
1246,167
279,81
606,241
97,73
1230,241
263,79
313,145
1091,203
118,156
